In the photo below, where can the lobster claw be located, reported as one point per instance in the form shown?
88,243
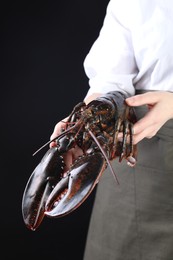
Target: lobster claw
73,190
39,186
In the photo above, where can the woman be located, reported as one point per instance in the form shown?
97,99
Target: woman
133,54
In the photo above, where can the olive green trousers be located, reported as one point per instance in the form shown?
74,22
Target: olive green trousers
134,220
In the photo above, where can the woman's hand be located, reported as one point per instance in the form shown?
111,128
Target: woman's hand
160,104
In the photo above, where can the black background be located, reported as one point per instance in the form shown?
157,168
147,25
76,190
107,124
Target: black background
42,78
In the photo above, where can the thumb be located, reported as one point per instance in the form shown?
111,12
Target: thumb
143,99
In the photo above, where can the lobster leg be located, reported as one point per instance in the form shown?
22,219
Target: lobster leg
125,148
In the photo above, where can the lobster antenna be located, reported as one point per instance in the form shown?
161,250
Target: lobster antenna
61,135
104,154
38,150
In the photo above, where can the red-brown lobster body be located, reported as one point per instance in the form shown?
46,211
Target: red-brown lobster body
55,191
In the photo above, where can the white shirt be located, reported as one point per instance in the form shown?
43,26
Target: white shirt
134,49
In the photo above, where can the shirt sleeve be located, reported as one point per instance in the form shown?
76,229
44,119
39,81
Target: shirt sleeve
110,64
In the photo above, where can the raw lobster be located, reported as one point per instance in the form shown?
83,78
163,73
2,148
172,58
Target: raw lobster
53,190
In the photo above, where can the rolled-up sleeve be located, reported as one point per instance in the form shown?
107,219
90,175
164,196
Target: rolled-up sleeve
110,64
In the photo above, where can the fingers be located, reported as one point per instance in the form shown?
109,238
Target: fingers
145,133
149,98
70,156
149,125
57,131
160,106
